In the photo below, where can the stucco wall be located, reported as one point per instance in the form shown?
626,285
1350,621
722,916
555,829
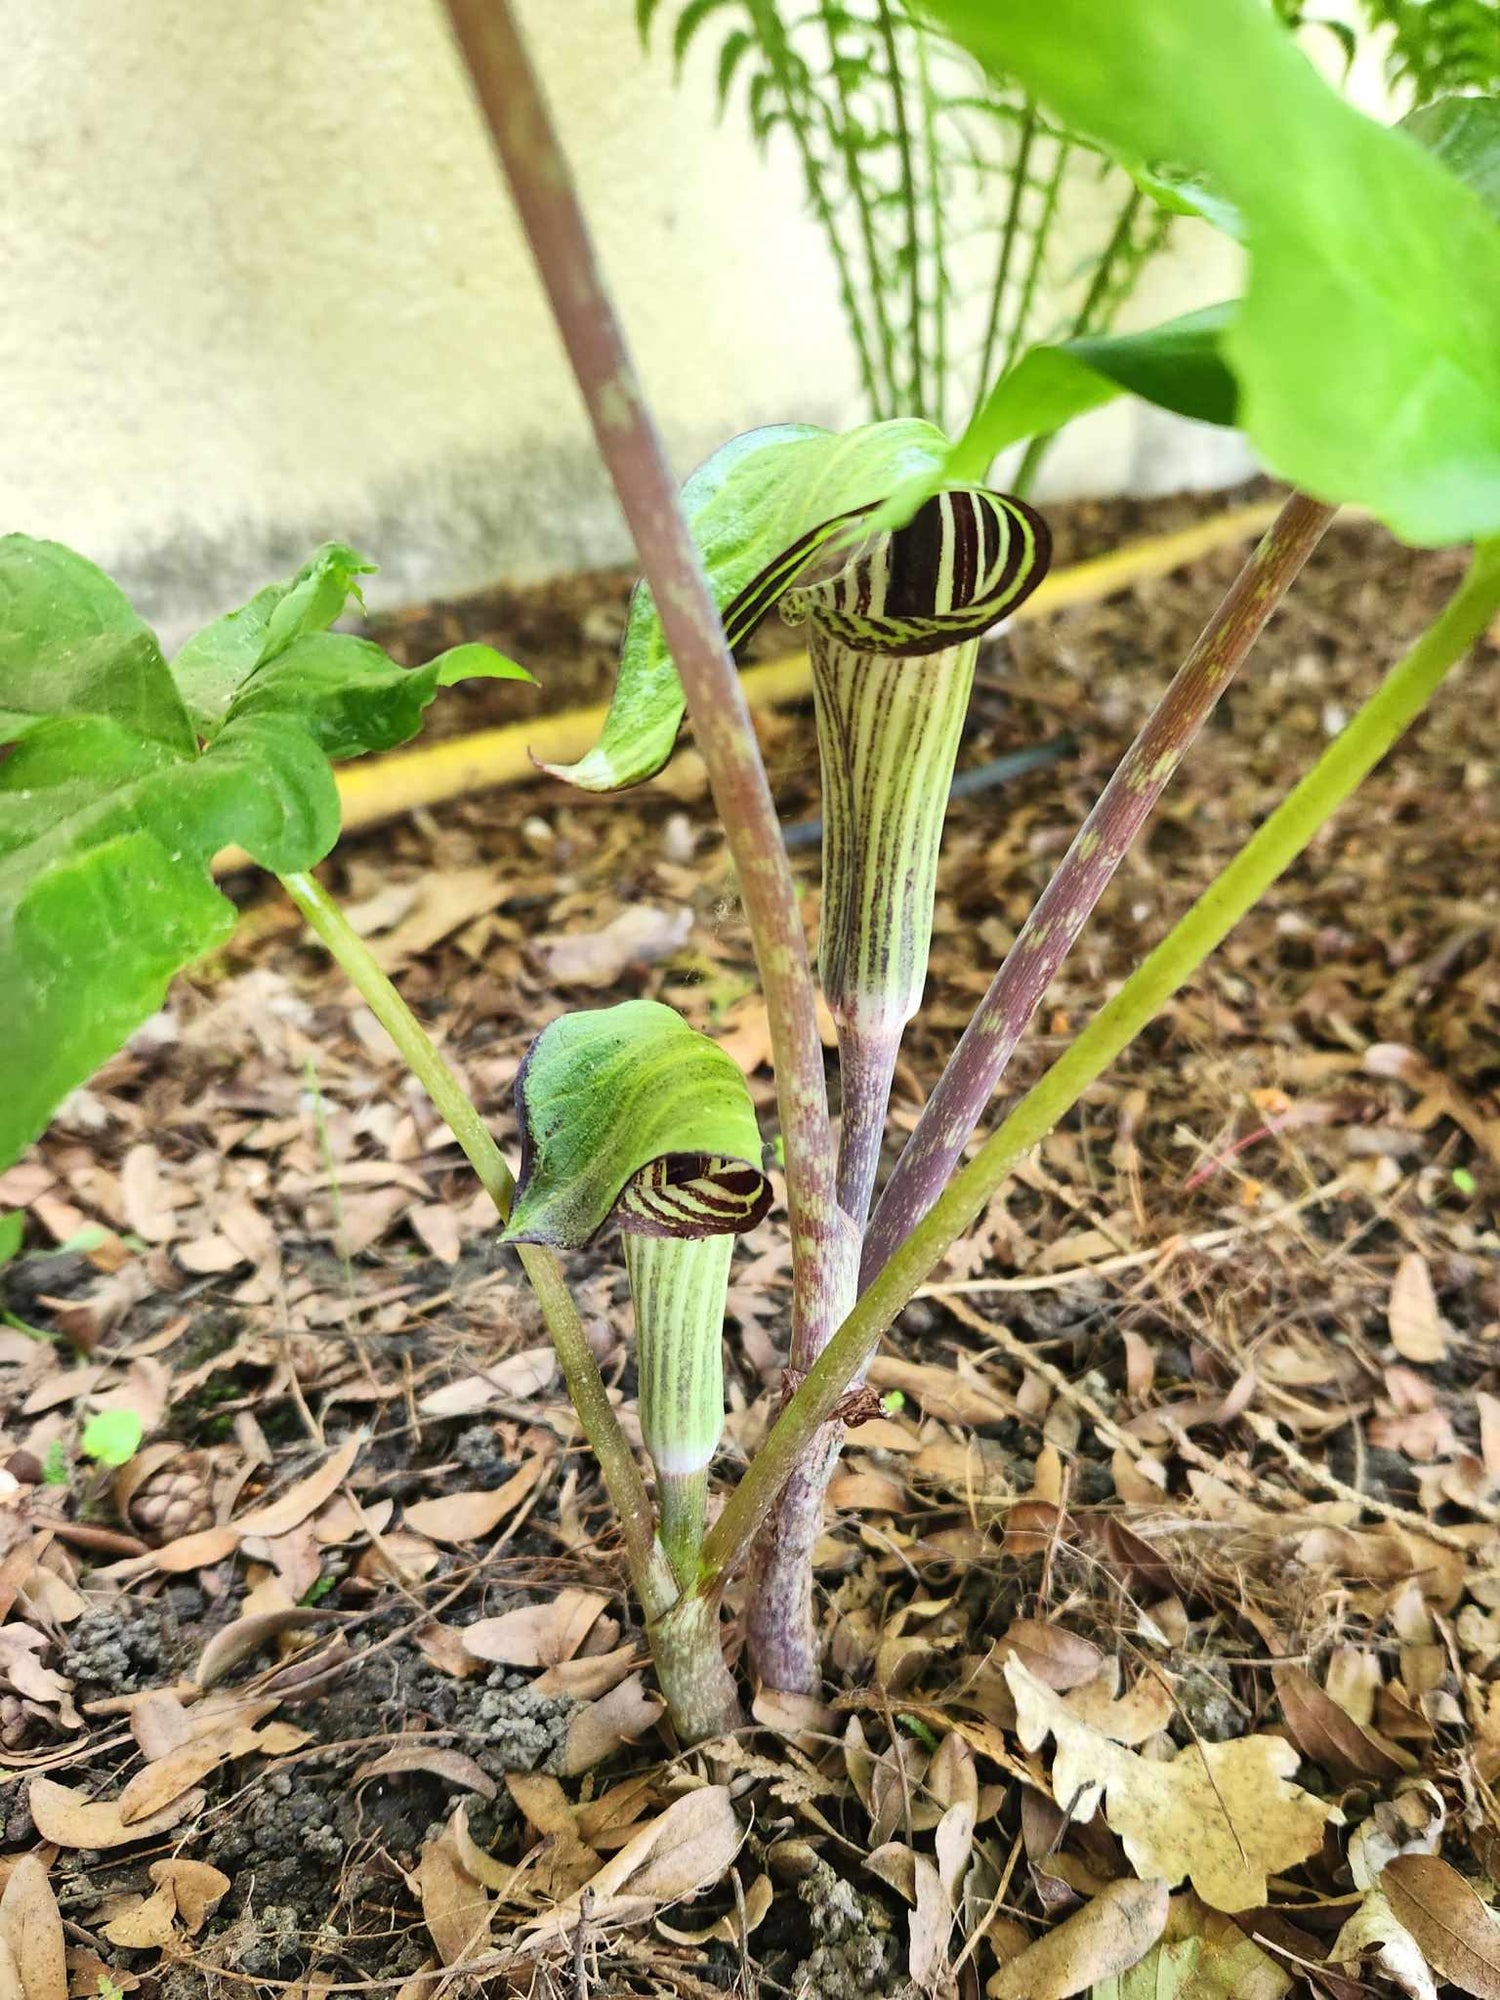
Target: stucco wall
262,286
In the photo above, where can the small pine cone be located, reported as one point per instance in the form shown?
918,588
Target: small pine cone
15,1723
175,1501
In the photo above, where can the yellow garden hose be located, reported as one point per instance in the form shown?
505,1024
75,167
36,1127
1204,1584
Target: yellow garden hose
382,788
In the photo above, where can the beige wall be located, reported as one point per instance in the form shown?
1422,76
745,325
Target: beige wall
261,286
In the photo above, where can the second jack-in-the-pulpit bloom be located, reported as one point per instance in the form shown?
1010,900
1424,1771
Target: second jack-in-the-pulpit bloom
630,1116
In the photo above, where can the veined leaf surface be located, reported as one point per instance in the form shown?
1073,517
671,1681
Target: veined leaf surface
627,1113
1367,346
757,496
111,811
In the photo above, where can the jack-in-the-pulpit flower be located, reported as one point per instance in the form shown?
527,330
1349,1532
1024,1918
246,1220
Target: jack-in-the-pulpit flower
893,636
628,1115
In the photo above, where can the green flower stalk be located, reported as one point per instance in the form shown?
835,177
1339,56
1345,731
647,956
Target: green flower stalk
893,638
679,1287
628,1115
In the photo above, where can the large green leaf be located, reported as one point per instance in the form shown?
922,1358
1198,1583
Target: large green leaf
111,813
71,644
1367,347
210,667
627,1113
1178,365
757,496
1464,133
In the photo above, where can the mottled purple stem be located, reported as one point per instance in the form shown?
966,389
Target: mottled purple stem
978,1063
543,191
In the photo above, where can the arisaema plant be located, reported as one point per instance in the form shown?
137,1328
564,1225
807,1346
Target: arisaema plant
1363,361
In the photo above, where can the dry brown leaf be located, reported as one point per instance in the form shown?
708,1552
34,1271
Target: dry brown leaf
931,1924
31,1926
70,1820
455,1908
1060,1658
85,1970
639,935
450,1765
589,1675
305,1498
568,1861
727,1929
954,1397
606,1725
1457,1933
691,1845
1418,1331
1134,1717
443,1646
1373,1932
145,1925
208,1546
497,1875
1223,1815
160,1724
155,1787
1327,1736
536,1635
237,1641
1102,1940
10,1975
197,1887
469,1517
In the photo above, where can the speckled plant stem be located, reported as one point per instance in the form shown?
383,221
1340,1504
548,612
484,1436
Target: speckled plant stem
978,1063
542,188
547,203
1268,853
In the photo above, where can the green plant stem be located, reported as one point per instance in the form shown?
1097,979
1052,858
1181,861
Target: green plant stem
632,450
773,39
917,387
1092,310
1269,852
842,132
973,1072
1040,236
936,233
650,1572
1009,236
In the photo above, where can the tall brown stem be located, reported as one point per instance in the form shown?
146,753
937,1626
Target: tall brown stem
978,1063
543,191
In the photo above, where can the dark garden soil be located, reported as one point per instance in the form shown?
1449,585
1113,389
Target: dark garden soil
339,1685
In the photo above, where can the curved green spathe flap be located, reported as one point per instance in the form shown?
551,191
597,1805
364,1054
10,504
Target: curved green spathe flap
964,561
753,500
628,1114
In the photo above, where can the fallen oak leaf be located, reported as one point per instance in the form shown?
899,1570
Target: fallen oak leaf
32,1928
622,1716
1061,1658
455,1908
306,1497
237,1641
590,1675
536,1635
161,1782
1224,1815
683,1850
1417,1328
69,1820
451,1765
729,1929
1455,1930
197,1551
197,1886
1326,1735
468,1517
1111,1933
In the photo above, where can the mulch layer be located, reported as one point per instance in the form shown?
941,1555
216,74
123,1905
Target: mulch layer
1175,1558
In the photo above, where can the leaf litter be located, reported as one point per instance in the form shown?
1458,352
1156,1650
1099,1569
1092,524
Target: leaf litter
1162,1603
